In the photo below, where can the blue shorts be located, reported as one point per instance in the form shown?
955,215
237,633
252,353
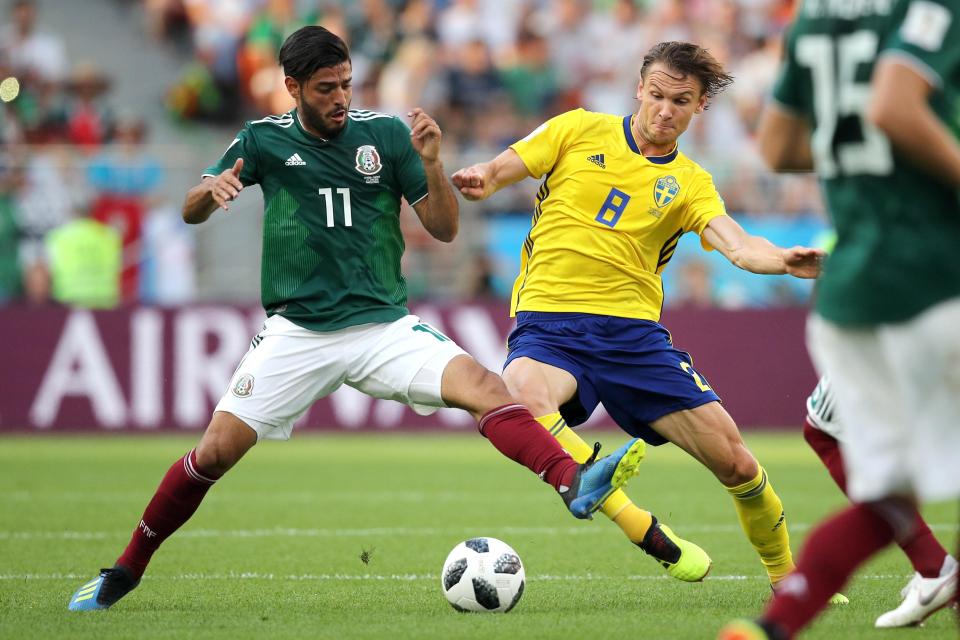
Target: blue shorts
629,365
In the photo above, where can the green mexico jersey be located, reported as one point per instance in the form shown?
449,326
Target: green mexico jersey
331,228
898,229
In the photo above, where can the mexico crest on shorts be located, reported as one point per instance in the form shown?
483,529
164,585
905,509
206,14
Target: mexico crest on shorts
244,386
665,190
368,160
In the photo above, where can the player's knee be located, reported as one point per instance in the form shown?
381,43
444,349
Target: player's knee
491,390
739,467
223,444
531,393
215,457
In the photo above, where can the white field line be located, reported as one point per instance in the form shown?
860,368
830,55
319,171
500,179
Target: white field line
295,497
285,532
402,577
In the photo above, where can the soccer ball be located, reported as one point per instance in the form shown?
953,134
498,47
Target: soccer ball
483,575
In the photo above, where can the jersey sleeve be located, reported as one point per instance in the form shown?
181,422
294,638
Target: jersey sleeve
928,39
243,146
788,87
542,147
409,166
704,205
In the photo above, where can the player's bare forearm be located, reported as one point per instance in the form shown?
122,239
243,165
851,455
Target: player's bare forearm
213,192
784,140
758,255
900,108
439,212
199,203
486,178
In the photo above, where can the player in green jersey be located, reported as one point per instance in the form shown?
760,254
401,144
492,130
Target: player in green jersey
332,181
869,97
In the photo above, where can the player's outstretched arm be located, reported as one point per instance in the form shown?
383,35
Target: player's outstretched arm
439,212
784,140
900,107
756,254
212,192
485,179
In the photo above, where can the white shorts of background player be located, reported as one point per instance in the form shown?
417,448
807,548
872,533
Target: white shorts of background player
897,388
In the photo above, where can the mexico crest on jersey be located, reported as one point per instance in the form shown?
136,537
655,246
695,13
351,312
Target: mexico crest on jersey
244,386
665,190
368,160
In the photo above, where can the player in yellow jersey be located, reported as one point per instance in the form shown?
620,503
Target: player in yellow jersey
616,196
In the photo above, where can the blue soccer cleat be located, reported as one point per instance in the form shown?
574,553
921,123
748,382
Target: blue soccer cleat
596,479
104,590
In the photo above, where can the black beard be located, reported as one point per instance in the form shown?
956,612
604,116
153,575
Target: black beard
314,120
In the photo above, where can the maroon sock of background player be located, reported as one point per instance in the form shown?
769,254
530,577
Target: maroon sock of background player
926,554
828,449
830,555
514,432
176,499
924,550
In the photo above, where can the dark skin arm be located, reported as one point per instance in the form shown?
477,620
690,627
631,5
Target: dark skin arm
439,211
212,192
899,106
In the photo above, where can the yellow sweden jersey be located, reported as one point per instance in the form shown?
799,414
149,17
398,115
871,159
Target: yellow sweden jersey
607,219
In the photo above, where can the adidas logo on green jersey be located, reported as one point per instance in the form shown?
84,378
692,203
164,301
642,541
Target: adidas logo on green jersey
295,161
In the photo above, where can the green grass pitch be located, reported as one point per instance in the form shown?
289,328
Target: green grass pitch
275,549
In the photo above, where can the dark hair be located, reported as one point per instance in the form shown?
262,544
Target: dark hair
690,60
311,48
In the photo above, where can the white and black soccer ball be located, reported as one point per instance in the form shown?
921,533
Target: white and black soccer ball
483,575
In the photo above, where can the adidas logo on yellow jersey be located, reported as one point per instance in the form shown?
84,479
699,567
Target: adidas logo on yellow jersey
597,160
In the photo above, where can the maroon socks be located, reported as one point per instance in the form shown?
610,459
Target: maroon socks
516,434
178,496
830,555
922,547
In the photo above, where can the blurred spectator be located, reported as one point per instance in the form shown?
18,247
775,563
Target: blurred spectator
694,288
620,40
759,66
563,25
85,258
472,87
11,282
46,194
408,80
258,70
480,278
532,82
209,89
87,118
122,177
35,56
168,273
39,63
163,16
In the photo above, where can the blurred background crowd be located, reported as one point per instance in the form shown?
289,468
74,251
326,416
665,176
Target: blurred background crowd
111,108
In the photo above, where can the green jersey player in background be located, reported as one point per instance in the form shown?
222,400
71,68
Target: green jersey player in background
868,97
332,181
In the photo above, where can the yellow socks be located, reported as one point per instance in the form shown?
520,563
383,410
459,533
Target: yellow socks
634,522
762,518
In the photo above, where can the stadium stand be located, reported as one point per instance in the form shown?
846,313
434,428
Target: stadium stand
115,129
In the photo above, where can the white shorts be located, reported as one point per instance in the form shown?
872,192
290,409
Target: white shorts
288,368
897,390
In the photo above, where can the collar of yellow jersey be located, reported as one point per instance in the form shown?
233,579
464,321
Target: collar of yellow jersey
632,143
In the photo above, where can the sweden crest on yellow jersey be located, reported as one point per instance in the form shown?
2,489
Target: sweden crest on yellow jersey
665,190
